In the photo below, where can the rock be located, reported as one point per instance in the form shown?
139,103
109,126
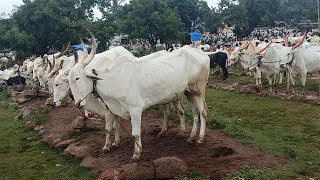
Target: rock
38,128
42,132
90,163
169,167
30,125
89,124
107,175
35,94
137,171
64,144
22,100
49,102
77,152
25,112
56,141
49,138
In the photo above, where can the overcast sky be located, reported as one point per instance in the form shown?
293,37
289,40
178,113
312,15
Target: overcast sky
6,6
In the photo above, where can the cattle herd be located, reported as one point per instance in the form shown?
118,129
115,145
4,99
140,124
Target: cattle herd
117,85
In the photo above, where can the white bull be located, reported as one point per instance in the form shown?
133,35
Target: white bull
62,88
242,56
128,87
300,61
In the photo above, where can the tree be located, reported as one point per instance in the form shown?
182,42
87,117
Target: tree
150,19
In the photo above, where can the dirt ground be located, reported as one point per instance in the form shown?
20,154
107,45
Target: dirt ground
219,156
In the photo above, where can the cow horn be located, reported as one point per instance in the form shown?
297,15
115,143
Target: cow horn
286,42
50,66
53,64
63,51
265,47
93,50
300,42
76,56
245,46
85,50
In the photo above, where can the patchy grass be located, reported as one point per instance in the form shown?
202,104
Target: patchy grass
236,77
279,127
24,156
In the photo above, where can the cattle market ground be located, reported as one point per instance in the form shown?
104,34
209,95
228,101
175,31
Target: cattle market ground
280,140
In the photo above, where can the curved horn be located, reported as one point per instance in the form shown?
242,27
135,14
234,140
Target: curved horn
286,42
245,46
50,67
63,51
300,42
93,50
53,64
265,47
85,50
76,56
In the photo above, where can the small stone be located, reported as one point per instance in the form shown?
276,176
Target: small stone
30,125
25,112
38,128
107,175
78,123
169,167
56,141
77,152
64,144
49,102
49,139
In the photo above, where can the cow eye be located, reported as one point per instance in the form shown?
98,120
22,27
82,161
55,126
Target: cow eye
77,78
57,84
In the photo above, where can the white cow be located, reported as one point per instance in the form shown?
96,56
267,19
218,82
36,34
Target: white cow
300,61
268,63
128,87
242,56
62,88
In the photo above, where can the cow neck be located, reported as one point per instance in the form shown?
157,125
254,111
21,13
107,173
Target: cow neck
95,92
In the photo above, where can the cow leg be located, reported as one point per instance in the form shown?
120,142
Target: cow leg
86,113
135,114
180,110
166,113
195,114
270,83
200,103
116,132
303,80
109,118
225,72
280,78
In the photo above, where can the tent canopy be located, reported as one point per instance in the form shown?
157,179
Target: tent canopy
195,36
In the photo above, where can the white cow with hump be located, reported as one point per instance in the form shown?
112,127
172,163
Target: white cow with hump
128,87
242,56
104,60
300,61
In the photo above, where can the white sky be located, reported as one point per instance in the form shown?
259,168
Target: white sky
6,6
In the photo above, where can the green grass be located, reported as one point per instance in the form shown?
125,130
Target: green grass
279,127
311,84
24,156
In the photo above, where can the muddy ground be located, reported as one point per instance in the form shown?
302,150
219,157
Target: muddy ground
219,156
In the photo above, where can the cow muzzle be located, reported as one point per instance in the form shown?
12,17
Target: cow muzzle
57,103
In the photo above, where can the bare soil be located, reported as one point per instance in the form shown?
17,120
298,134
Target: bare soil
219,156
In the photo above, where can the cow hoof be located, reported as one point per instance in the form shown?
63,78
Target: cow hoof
162,134
135,157
181,132
106,148
190,140
200,141
116,144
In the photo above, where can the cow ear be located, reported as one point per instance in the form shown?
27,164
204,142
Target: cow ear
93,76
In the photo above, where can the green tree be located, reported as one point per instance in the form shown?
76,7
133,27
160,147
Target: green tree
150,19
